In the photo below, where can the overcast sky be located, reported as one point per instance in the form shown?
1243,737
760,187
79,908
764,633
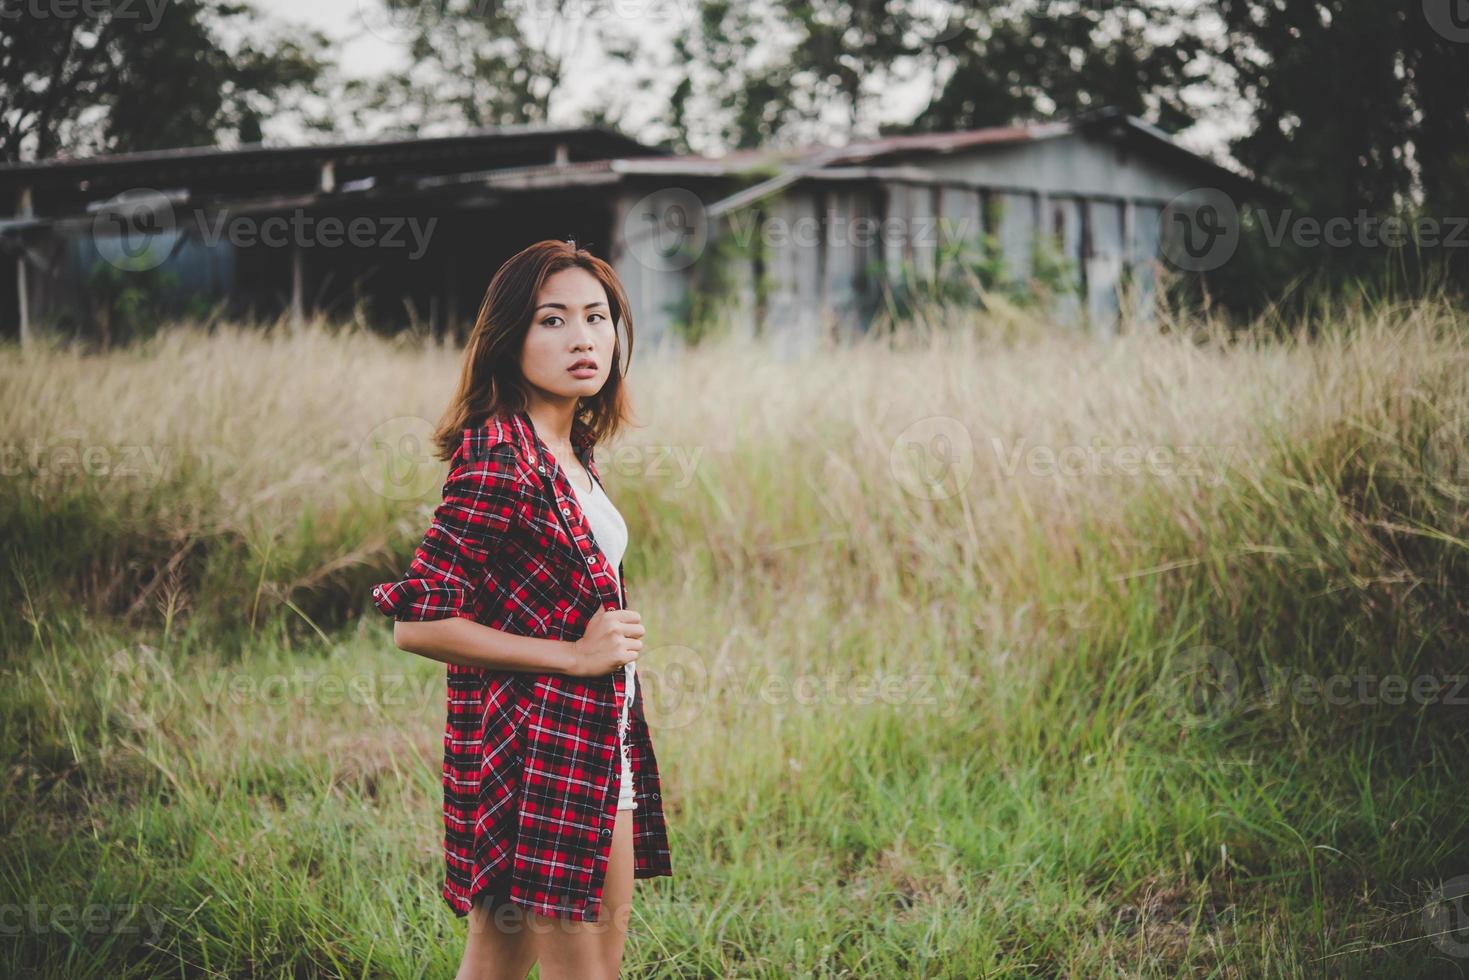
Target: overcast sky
365,46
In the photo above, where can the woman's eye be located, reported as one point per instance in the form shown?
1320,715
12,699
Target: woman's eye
553,321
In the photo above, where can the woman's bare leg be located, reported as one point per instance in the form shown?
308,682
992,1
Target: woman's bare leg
500,945
574,950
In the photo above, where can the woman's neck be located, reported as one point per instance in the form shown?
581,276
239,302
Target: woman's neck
552,423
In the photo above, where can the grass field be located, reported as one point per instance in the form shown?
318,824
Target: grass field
992,651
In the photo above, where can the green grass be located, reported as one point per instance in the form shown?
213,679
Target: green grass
213,749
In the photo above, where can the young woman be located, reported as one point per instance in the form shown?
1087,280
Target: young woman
552,797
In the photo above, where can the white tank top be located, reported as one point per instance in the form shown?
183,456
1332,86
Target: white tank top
610,531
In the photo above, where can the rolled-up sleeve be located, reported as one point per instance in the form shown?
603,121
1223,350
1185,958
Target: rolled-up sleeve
482,499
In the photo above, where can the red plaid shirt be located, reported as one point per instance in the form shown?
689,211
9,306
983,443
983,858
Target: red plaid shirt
531,768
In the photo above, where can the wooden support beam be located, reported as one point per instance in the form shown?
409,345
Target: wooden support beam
298,288
26,209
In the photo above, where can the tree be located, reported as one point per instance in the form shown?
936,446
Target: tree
480,63
1359,107
773,70
1024,61
115,77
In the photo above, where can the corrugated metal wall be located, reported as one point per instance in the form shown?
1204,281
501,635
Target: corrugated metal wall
823,244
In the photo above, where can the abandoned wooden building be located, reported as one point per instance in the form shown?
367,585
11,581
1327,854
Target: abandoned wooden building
791,244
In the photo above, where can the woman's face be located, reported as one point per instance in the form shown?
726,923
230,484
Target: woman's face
572,323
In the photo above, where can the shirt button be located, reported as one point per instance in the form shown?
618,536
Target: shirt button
592,560
540,469
566,510
606,833
377,591
655,796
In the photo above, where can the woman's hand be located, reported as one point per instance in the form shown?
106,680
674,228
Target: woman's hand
612,638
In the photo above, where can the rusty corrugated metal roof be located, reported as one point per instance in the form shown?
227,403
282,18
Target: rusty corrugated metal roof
950,142
397,152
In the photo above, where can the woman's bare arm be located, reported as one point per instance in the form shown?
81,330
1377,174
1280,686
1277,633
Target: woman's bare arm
462,641
613,637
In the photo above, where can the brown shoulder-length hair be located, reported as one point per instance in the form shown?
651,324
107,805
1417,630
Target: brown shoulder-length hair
490,382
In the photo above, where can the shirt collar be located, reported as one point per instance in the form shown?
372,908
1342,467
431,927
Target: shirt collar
516,427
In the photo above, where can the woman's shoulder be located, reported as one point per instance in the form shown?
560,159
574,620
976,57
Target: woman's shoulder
499,440
505,428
